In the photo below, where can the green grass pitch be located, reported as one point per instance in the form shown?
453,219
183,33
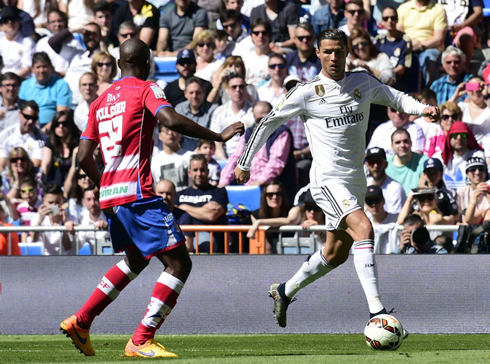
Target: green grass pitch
290,348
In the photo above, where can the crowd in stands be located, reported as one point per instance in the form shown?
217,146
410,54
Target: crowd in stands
236,60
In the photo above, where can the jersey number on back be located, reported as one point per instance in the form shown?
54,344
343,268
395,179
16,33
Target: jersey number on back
110,143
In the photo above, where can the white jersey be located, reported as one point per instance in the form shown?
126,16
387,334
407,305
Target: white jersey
336,115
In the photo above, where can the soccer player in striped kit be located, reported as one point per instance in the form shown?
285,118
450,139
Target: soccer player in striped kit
123,120
335,109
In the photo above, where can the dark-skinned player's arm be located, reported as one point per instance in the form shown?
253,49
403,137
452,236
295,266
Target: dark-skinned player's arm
86,160
182,125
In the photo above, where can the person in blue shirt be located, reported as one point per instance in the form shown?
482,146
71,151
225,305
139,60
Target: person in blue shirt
47,89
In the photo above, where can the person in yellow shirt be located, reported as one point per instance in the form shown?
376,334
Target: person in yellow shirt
425,22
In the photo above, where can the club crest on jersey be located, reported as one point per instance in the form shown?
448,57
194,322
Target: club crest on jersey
159,94
320,90
357,94
346,203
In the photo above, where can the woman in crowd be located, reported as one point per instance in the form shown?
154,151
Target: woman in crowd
363,55
233,64
62,140
273,205
19,167
472,199
436,135
312,215
204,46
105,67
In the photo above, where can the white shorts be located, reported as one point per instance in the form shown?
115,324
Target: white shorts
337,200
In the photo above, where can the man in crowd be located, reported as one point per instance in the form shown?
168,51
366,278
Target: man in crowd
231,21
10,102
273,90
418,243
88,91
303,61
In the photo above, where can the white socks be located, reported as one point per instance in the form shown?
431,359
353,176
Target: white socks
316,266
367,272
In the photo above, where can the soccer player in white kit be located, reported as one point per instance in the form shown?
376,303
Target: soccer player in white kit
335,109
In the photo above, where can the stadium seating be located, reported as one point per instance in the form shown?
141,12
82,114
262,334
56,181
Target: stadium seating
486,8
246,195
32,248
295,245
165,69
85,249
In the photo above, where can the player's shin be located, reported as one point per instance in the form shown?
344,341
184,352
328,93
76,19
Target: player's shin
315,266
114,281
367,272
163,300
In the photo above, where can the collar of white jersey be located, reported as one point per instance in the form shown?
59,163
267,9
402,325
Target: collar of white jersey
324,78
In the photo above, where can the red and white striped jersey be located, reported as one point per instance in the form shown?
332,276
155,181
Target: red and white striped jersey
123,121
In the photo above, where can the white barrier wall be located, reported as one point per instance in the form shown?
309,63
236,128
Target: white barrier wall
228,294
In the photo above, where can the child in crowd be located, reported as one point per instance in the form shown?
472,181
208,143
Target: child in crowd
30,206
207,148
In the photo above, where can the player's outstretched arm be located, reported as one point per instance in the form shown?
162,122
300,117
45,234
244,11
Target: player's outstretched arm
182,125
86,160
432,112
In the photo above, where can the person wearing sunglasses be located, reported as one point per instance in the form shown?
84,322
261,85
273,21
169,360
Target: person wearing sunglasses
460,145
29,203
256,61
231,21
364,55
204,46
273,90
355,13
473,199
25,134
436,135
50,92
20,167
105,67
303,61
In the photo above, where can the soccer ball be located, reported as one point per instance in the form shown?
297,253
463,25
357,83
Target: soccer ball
384,332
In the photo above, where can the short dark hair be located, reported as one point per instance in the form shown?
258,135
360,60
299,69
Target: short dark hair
333,34
62,15
233,75
355,2
28,180
102,5
278,56
194,79
30,103
427,94
201,142
413,219
265,23
198,157
10,76
53,189
230,15
90,188
400,131
41,57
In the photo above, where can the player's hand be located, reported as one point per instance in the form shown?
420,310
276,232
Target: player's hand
232,130
241,176
433,113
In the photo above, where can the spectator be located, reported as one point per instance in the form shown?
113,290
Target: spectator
436,136
375,162
273,205
404,166
237,109
105,67
365,56
485,143
220,44
142,13
195,108
88,91
462,20
179,25
417,243
93,216
432,178
16,50
451,86
212,8
233,64
330,15
29,192
355,14
171,163
79,12
282,19
58,152
50,213
75,184
5,240
429,97
82,62
207,148
203,204
303,62
104,17
459,147
50,92
27,27
234,5
273,91
274,161
25,135
19,168
474,194
398,46
383,222
128,30
311,215
166,189
256,61
204,46
424,21
476,113
232,24
9,102
186,67
397,120
60,54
